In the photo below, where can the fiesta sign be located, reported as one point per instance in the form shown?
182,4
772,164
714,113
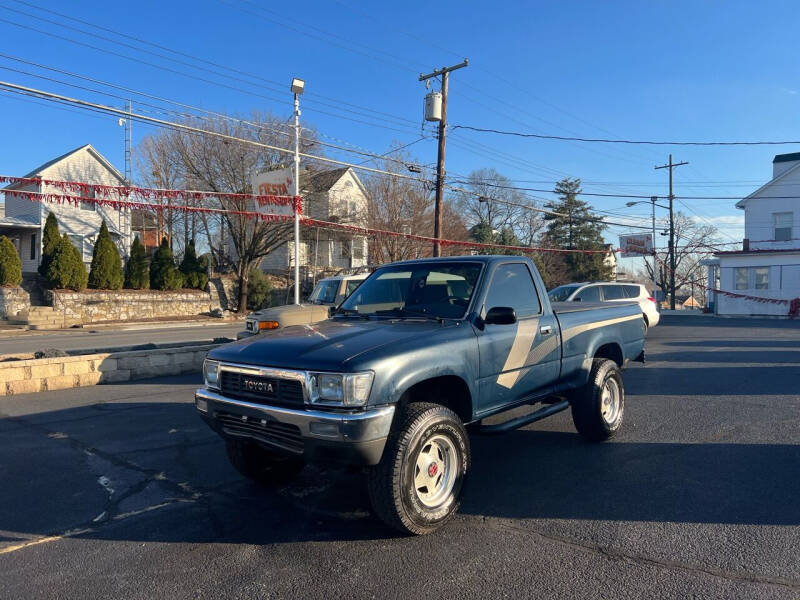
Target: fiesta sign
273,183
636,245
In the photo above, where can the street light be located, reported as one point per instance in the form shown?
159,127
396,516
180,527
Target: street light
298,85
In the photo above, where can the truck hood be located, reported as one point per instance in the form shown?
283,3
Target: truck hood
328,345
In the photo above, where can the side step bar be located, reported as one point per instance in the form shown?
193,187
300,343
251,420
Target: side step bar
543,412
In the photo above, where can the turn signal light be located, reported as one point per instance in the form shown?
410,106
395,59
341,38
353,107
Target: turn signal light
267,325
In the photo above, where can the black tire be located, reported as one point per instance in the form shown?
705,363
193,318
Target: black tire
646,326
422,432
593,419
260,465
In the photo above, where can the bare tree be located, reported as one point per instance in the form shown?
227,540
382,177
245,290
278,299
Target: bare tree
488,200
691,239
405,206
223,165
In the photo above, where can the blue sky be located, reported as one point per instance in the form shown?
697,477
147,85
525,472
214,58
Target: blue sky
638,70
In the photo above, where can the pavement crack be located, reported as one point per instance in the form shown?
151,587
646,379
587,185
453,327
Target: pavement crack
619,555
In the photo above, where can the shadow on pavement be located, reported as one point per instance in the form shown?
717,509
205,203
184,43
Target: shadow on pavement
771,343
155,472
731,356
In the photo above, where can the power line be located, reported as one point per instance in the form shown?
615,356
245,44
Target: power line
198,78
172,112
212,63
179,126
620,141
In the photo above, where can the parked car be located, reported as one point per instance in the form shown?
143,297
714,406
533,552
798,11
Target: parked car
327,293
417,352
609,292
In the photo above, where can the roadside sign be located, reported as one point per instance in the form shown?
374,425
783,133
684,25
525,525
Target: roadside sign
273,183
640,244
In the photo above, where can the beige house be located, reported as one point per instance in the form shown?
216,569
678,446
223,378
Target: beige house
337,196
24,219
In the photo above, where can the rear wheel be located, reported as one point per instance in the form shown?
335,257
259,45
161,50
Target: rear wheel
261,465
598,407
416,488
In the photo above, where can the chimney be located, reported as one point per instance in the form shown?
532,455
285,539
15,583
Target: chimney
746,244
783,162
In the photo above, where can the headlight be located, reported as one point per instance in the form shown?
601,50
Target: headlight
211,373
340,389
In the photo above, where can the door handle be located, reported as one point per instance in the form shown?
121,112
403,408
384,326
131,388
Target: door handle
546,330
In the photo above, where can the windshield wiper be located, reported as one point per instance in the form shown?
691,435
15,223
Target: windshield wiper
349,312
405,314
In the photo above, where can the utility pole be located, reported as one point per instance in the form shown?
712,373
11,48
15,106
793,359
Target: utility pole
655,254
298,86
670,165
437,223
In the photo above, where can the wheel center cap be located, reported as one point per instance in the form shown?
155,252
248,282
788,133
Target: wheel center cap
433,469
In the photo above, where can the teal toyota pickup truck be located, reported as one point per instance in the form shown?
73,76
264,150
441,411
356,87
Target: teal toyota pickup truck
421,350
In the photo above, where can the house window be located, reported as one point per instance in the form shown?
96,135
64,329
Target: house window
741,278
345,249
783,226
761,278
33,246
358,249
88,205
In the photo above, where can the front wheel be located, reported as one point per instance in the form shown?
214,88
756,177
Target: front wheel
599,406
416,488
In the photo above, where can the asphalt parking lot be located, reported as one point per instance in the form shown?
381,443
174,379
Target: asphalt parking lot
122,491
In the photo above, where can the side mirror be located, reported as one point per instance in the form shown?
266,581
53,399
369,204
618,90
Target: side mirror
501,315
578,299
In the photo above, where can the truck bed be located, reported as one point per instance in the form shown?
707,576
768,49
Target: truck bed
586,325
570,307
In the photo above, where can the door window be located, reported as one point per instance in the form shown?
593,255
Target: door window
613,292
589,294
512,286
631,291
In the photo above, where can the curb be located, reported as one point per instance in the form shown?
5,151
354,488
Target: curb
44,374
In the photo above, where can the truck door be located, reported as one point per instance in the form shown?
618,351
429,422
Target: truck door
522,359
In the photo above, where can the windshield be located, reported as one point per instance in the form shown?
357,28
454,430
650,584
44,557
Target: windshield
561,293
441,290
325,292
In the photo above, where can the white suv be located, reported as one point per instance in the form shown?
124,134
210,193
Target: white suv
609,292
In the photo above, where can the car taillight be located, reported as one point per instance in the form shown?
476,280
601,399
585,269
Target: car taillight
652,300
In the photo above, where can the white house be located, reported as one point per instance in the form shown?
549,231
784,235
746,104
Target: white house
768,265
336,196
24,219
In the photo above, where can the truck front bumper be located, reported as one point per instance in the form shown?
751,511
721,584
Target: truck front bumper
352,438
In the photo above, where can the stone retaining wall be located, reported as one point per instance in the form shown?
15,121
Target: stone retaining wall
38,375
12,301
129,305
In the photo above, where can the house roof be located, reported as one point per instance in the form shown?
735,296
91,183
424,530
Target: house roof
23,222
322,181
779,158
43,167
